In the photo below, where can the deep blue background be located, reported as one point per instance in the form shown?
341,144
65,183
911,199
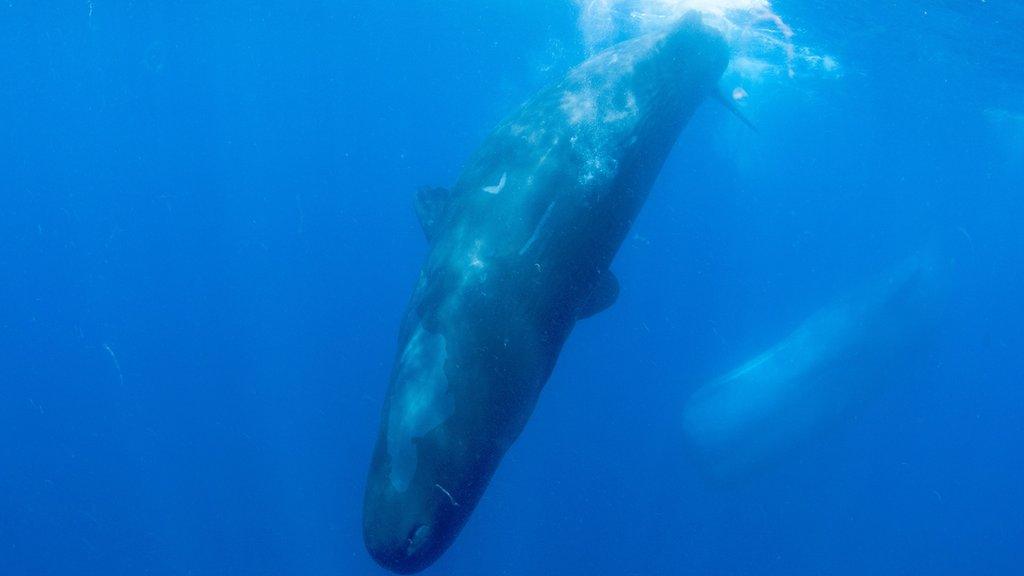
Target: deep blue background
207,241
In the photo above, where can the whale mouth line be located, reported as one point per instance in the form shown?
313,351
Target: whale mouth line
417,538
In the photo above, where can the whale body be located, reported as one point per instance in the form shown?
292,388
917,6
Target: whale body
828,365
520,250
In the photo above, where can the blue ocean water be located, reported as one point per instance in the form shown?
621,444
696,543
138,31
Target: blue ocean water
207,241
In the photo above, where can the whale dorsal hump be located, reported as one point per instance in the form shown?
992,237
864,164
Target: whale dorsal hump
430,207
602,297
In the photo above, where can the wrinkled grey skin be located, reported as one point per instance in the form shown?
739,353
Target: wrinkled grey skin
520,251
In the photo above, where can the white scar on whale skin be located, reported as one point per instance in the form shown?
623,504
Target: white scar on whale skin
497,188
536,231
448,494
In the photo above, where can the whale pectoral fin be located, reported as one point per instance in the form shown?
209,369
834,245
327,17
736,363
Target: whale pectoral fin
602,297
430,207
729,105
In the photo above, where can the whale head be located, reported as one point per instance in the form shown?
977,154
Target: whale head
409,515
405,531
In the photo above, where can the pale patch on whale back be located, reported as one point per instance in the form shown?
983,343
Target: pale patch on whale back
580,106
420,403
628,110
497,188
598,165
476,256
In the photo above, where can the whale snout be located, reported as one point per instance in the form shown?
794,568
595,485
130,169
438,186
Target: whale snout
417,538
402,553
402,530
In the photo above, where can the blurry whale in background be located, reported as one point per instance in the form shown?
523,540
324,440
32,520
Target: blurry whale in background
814,376
520,250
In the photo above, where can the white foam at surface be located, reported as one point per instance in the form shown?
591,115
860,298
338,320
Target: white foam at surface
762,42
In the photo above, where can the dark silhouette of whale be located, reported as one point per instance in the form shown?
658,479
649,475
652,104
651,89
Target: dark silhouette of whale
817,375
520,250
